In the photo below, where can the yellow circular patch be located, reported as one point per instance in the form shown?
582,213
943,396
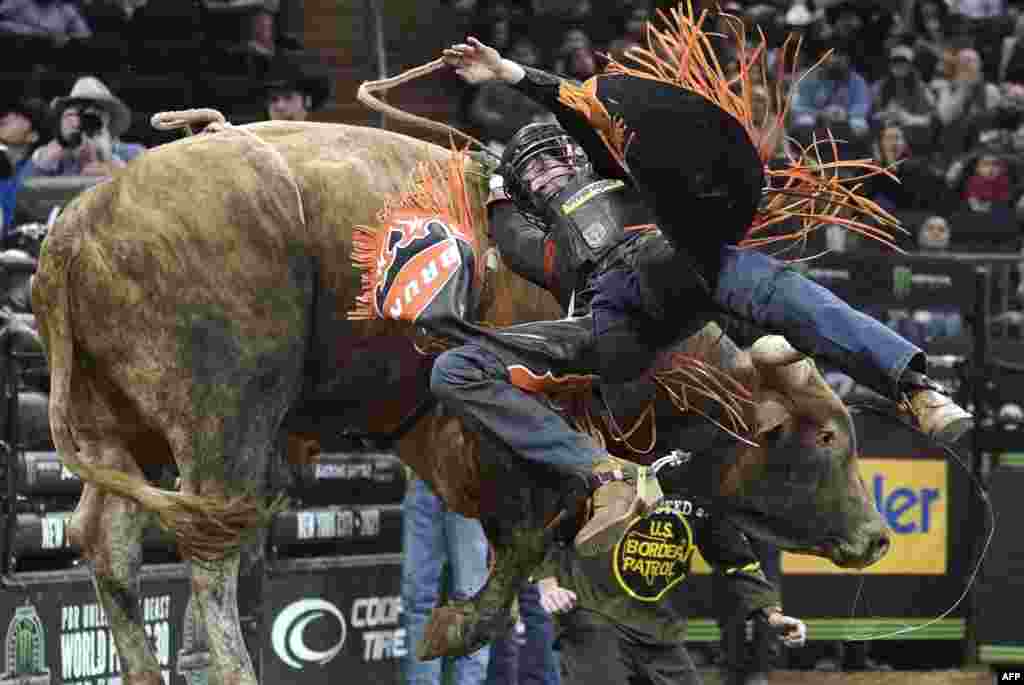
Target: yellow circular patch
653,555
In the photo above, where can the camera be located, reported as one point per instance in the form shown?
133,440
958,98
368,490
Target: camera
92,123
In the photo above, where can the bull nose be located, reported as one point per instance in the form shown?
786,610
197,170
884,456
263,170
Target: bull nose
879,547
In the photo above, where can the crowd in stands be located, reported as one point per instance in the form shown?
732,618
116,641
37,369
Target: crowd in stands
933,86
80,80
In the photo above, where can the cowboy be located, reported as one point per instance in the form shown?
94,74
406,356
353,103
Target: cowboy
641,294
88,123
22,127
292,92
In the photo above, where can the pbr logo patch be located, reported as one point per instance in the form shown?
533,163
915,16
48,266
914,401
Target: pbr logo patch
418,256
653,555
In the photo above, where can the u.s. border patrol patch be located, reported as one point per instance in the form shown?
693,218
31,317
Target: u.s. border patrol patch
653,555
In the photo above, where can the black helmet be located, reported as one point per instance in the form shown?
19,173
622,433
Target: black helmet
529,142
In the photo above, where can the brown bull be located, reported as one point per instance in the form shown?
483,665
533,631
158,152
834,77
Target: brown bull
194,307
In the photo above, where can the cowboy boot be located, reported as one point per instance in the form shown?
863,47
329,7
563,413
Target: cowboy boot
932,410
624,491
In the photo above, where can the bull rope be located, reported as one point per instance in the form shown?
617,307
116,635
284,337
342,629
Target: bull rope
987,503
212,121
365,95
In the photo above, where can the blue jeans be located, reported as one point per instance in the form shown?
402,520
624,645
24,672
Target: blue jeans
529,659
474,381
765,292
431,536
475,384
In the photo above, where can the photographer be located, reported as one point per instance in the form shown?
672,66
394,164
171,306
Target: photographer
87,123
22,125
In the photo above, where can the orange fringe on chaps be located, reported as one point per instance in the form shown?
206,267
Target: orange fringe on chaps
687,380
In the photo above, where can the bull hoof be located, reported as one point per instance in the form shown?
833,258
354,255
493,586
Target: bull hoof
458,630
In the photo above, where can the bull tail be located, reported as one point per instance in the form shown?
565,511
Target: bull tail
205,528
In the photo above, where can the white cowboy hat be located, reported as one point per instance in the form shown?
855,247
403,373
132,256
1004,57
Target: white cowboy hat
90,90
799,15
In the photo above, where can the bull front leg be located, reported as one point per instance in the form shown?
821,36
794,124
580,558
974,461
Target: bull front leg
460,628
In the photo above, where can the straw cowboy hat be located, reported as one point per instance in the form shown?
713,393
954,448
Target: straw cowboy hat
89,90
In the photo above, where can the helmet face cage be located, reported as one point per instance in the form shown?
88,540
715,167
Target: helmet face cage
533,142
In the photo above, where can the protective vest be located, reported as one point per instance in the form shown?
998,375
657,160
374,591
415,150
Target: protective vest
586,221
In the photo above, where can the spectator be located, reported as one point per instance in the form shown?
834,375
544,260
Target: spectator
916,185
581,64
431,537
903,99
526,656
979,9
244,36
965,104
57,20
1011,58
22,127
934,235
803,24
985,183
861,30
932,30
925,326
496,27
573,39
985,221
261,33
836,97
88,123
293,92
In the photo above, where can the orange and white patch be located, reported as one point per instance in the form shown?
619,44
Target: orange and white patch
524,378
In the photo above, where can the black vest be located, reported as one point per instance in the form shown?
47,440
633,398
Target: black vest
587,220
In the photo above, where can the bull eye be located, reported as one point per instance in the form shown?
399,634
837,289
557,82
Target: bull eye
827,438
774,435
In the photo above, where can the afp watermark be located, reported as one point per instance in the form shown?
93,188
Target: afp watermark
1009,675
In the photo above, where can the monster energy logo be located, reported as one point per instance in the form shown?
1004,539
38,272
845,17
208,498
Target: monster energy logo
902,281
25,654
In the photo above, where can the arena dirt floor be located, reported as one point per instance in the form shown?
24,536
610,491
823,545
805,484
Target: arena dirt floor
979,677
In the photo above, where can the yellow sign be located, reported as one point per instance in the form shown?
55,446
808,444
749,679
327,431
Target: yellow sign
652,556
911,495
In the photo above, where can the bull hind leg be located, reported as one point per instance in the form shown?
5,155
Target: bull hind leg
109,530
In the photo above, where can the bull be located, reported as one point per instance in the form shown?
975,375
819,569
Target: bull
193,309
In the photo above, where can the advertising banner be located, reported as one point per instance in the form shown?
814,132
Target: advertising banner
328,618
56,631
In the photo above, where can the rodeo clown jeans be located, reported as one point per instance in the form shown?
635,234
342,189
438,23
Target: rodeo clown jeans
432,537
617,342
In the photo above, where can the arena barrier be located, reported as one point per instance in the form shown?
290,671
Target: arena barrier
324,601
927,498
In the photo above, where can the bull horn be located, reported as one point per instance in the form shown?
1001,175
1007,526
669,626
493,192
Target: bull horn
774,350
